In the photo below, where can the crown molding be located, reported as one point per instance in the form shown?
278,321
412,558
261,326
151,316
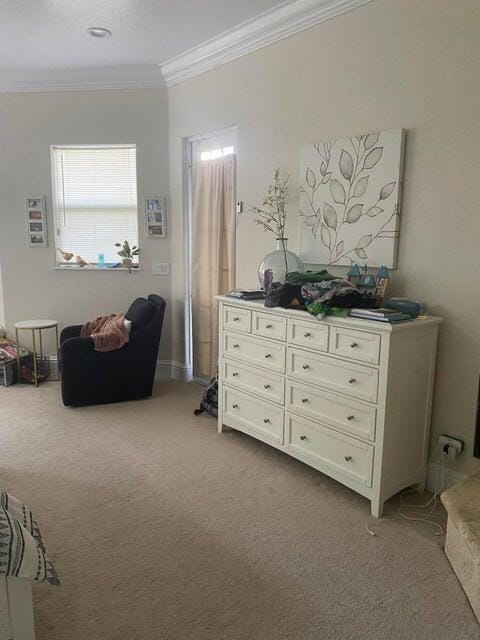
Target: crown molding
79,86
282,21
83,79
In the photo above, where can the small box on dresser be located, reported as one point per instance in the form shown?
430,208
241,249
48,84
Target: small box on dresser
349,397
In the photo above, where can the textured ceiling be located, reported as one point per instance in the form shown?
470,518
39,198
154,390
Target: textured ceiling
45,40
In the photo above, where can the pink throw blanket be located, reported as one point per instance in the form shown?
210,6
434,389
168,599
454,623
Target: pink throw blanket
107,332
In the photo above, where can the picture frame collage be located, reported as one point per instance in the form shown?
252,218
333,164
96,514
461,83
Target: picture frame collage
36,221
155,217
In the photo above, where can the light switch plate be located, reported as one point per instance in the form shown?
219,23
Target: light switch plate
160,268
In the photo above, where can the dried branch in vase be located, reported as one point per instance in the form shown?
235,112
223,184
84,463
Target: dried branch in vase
272,216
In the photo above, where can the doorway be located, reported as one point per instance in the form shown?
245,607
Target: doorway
211,223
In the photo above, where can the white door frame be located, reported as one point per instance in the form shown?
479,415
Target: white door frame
188,199
187,189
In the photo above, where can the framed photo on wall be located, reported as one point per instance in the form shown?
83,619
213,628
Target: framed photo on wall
155,217
36,221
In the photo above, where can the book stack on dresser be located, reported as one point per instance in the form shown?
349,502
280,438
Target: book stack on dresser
349,397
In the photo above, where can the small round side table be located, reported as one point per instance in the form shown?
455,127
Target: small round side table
35,325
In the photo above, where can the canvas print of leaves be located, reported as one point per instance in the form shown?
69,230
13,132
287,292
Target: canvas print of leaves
350,200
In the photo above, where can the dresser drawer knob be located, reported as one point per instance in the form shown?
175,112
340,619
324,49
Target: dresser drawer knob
268,355
234,406
236,318
266,386
351,380
266,420
234,374
304,400
305,366
236,346
268,326
354,344
303,437
307,334
348,458
350,417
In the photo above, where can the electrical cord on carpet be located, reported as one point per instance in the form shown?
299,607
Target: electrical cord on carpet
414,512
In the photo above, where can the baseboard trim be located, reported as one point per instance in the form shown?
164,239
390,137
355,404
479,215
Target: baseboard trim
453,477
53,366
170,369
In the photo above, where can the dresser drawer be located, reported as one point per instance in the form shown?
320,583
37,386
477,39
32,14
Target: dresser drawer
332,410
312,335
258,381
347,378
253,414
329,449
255,350
237,318
355,345
269,325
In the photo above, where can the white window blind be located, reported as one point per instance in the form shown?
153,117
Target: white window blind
95,200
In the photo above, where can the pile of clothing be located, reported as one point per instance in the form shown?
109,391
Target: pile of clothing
8,351
8,360
319,292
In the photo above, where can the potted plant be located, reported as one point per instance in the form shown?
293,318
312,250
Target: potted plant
127,254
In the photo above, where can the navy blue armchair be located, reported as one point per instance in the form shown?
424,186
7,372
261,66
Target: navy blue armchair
93,377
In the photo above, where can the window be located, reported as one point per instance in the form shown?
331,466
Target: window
95,201
216,153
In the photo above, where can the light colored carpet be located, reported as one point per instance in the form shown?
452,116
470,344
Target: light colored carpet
162,529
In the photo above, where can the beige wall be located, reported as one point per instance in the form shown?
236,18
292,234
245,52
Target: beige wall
29,124
388,64
2,310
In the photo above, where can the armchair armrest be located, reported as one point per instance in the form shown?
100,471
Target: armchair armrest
76,348
70,332
67,352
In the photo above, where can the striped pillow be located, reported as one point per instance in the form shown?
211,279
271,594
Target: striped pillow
22,552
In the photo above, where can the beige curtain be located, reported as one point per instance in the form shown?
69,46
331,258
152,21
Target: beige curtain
213,254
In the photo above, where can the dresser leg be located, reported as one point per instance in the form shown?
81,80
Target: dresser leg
377,507
219,427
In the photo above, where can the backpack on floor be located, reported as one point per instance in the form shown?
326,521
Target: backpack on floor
209,401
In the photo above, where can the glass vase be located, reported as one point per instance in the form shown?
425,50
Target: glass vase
275,266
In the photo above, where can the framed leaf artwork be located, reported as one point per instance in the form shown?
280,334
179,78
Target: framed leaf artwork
350,192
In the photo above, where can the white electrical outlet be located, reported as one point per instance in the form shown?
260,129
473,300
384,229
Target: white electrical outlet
451,446
160,268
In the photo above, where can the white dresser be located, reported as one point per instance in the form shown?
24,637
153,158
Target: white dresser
350,397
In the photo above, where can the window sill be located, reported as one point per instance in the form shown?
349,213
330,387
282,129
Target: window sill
91,268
